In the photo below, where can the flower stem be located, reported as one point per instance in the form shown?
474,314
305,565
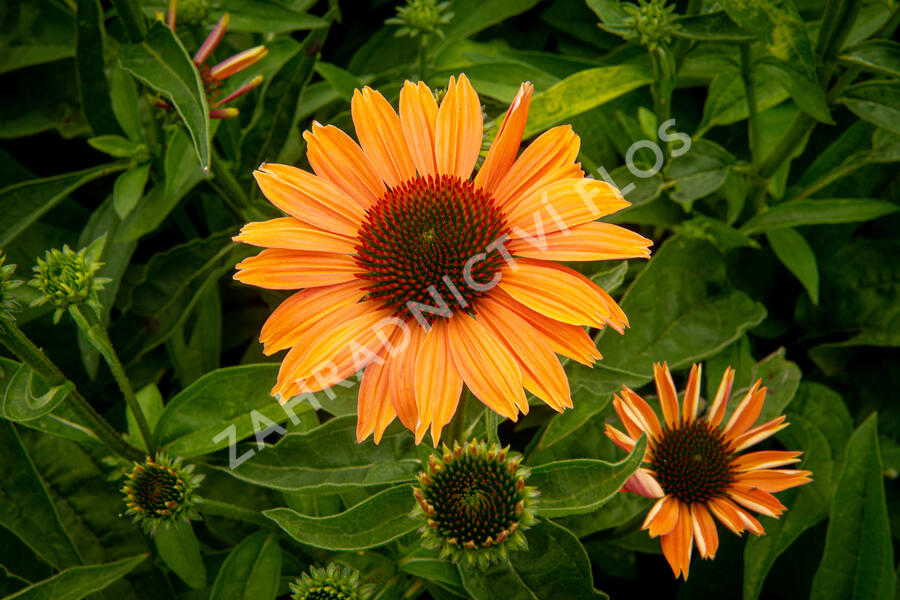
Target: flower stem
95,331
456,430
22,347
423,58
231,511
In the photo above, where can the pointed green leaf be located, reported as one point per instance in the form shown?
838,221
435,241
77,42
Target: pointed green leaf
373,522
78,582
875,102
880,56
129,188
859,559
179,549
161,62
27,397
91,67
794,253
826,211
251,571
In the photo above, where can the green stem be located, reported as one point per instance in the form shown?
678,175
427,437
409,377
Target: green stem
681,47
423,58
22,347
95,331
236,513
132,19
456,430
661,104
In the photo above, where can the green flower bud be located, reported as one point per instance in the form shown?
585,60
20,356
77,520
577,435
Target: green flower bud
330,583
653,22
8,302
421,17
192,12
474,503
158,492
66,278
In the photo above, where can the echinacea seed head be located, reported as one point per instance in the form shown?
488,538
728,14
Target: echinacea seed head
330,583
65,278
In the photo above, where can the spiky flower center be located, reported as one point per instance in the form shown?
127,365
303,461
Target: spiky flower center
331,583
692,462
473,499
156,490
430,246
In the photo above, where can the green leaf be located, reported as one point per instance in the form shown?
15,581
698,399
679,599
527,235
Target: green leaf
373,522
196,347
837,22
859,560
23,203
41,33
40,99
581,92
700,171
431,568
179,549
537,573
726,100
472,16
614,18
876,102
343,81
251,571
582,485
826,211
161,62
91,67
124,98
328,458
77,582
151,402
25,507
794,253
129,188
711,27
677,312
115,145
778,26
781,378
265,16
27,397
879,56
225,405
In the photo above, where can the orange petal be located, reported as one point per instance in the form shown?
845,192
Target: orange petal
588,241
747,411
727,513
643,483
303,309
677,545
562,294
619,439
662,517
458,130
717,410
277,269
381,136
438,384
705,535
764,459
487,368
626,416
503,150
334,156
290,233
691,395
774,480
553,152
568,340
758,433
756,499
562,205
310,198
668,397
418,117
542,374
374,408
403,379
642,413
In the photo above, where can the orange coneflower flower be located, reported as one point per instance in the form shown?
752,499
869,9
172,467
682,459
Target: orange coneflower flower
426,278
213,77
694,465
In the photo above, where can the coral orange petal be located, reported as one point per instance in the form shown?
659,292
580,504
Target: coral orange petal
764,459
643,483
503,150
668,397
486,367
458,130
562,205
705,534
588,241
620,439
553,150
691,399
756,499
758,433
374,407
303,309
774,480
438,384
626,415
677,545
662,517
277,269
717,410
747,412
403,378
642,413
542,374
334,156
290,233
381,136
727,513
418,116
318,203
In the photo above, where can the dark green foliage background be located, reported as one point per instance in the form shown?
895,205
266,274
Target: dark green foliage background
776,252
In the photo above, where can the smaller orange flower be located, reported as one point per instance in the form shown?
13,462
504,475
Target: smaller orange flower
694,465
